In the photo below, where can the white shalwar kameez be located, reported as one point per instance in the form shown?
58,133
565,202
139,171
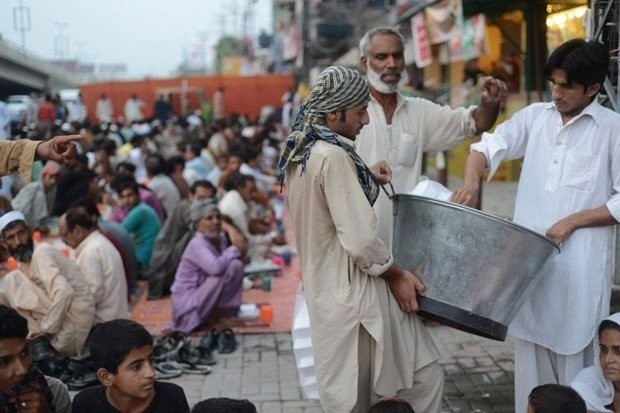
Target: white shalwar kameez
417,126
566,169
341,260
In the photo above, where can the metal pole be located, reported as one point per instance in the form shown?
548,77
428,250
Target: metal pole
21,22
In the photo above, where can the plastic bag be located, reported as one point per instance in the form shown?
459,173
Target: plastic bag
302,347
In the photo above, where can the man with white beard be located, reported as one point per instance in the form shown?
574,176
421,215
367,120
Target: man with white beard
401,129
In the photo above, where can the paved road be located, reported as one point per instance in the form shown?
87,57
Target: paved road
479,374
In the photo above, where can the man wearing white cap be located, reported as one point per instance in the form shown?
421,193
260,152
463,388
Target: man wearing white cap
47,289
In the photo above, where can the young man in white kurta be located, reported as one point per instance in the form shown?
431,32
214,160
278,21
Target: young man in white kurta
569,182
364,345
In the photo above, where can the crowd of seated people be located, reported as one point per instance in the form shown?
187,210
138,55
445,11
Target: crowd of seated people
152,201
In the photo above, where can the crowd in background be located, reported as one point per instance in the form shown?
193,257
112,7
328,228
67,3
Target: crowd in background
181,202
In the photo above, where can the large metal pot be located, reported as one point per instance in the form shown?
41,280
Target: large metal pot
478,269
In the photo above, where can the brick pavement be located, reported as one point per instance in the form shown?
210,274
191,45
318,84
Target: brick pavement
479,374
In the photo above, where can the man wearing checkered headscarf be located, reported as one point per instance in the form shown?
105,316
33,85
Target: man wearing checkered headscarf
367,343
337,89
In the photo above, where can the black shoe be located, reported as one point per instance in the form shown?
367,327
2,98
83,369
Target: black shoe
226,342
40,349
210,340
86,377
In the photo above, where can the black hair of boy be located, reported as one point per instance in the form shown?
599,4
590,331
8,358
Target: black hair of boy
391,405
224,405
111,342
556,398
12,324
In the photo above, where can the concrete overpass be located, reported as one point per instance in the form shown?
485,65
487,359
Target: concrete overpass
22,72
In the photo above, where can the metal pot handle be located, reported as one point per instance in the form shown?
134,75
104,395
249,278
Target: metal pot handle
391,189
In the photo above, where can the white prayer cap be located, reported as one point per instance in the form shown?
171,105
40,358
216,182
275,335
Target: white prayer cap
9,217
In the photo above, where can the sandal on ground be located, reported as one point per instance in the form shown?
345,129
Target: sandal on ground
204,355
194,356
185,367
166,346
209,341
226,342
163,371
86,377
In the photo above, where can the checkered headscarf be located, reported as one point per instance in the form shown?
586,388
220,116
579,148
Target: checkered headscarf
337,88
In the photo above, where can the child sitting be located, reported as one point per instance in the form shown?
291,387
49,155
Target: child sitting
122,352
555,398
22,386
224,405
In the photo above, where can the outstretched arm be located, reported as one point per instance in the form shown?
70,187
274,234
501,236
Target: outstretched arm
474,168
59,148
493,92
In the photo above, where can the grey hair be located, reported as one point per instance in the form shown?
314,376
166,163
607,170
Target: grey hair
201,207
365,41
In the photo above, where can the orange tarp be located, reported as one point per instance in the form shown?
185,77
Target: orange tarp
244,95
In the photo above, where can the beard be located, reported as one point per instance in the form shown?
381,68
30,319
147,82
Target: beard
23,253
375,81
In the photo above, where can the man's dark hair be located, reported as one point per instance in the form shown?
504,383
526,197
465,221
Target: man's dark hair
195,147
391,405
88,205
202,183
121,182
112,341
224,405
82,160
155,165
174,161
126,165
78,216
585,63
106,145
12,324
556,398
237,181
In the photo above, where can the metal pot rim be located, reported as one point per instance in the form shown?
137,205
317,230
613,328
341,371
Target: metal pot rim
474,211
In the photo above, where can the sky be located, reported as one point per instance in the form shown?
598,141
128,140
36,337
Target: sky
150,36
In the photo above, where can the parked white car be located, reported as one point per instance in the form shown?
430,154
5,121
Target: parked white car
17,105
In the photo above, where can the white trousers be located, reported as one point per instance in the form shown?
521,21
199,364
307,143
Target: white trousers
536,365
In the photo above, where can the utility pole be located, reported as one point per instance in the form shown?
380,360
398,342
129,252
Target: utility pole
21,21
60,41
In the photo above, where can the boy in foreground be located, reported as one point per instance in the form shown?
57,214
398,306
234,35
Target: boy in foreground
122,352
23,388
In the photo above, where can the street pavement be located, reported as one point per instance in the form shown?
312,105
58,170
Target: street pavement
479,373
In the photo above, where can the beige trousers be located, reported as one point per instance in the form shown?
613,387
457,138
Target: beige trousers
425,395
